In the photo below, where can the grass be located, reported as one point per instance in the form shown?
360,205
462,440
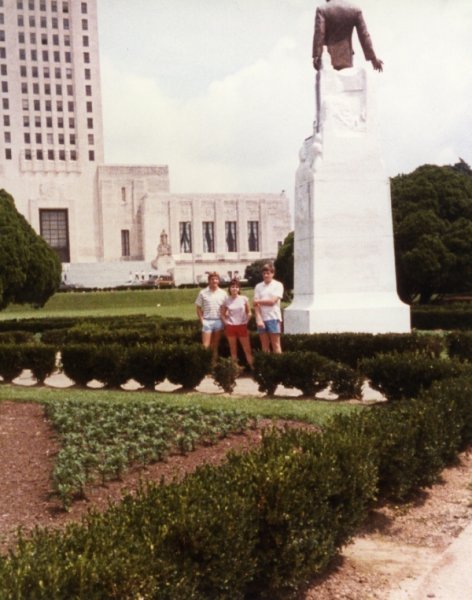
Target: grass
163,303
310,411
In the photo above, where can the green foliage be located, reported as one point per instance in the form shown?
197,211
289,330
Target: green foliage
225,373
101,440
284,263
441,317
349,348
260,525
30,271
405,375
11,362
187,365
307,371
78,362
147,364
460,344
253,272
432,212
41,359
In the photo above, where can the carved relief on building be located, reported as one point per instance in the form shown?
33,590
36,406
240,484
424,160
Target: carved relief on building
185,211
51,191
252,211
231,210
208,211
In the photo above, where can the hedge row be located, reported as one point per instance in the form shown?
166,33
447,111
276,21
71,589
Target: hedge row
445,317
113,365
259,526
40,358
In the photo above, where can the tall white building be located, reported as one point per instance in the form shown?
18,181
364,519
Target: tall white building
52,162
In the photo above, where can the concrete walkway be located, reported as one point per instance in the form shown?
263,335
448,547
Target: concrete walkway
450,578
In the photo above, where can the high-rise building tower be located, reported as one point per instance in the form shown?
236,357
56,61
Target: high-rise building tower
51,139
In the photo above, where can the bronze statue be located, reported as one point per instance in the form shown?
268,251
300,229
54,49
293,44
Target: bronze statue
334,24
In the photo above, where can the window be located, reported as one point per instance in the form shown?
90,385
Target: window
84,24
39,138
50,154
3,70
24,87
6,120
91,140
89,107
27,138
230,235
28,155
5,86
88,90
26,121
23,71
8,153
123,195
88,74
185,237
90,123
7,137
208,236
84,8
125,247
54,228
253,236
86,57
85,41
91,155
5,103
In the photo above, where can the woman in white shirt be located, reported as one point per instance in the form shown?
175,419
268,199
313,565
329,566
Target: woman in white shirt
235,313
267,296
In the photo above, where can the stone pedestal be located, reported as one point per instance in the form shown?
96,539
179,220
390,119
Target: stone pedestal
344,279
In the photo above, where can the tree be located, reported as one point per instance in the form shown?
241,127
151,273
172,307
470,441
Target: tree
432,216
30,271
284,262
253,272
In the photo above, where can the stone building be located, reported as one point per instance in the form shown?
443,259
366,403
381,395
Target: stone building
105,222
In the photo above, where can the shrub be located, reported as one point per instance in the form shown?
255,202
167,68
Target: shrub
11,362
41,359
404,375
460,344
15,337
187,365
147,364
450,317
109,364
225,373
78,363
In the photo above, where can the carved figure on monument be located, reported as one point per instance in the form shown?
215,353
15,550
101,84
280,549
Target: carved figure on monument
334,25
164,262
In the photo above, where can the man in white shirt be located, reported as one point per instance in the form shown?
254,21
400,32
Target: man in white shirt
267,297
208,305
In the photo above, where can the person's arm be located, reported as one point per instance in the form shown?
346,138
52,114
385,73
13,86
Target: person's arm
223,313
199,312
248,309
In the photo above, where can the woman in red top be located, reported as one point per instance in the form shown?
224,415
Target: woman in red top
235,313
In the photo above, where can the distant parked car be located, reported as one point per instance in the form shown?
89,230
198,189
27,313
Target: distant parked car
165,281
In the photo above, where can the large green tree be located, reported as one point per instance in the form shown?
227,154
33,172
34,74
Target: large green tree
30,271
432,216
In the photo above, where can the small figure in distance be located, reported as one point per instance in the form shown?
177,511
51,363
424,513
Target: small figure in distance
267,296
208,306
334,24
235,313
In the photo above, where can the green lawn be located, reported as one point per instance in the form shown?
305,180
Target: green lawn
165,303
311,411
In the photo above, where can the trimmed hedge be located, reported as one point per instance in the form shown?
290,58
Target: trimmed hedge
349,348
404,375
40,358
307,371
459,344
445,317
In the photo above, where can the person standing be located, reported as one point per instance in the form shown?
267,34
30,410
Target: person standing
235,313
267,296
208,306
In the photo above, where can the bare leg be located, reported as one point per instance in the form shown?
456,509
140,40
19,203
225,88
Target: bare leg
215,340
246,345
265,342
233,348
206,339
275,343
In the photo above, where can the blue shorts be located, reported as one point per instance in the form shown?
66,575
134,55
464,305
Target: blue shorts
270,326
211,325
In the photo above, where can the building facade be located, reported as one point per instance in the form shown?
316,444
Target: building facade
52,162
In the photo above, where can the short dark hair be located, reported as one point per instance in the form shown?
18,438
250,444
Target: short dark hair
232,283
213,274
268,267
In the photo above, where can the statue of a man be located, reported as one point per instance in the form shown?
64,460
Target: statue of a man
334,24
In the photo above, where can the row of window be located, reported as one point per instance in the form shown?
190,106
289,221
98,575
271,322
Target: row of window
208,233
60,155
56,40
42,5
44,24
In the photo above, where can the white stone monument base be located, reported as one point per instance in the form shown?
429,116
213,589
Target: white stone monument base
347,313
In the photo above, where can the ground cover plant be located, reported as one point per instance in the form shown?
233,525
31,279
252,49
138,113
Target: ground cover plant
100,440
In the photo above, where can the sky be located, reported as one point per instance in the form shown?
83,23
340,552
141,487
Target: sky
222,91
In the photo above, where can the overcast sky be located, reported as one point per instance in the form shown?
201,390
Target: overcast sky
222,90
